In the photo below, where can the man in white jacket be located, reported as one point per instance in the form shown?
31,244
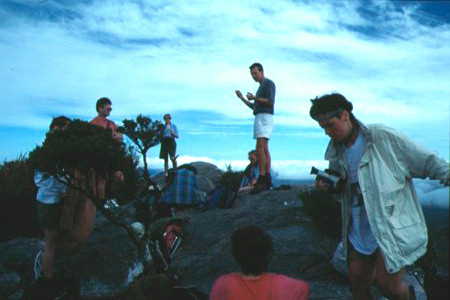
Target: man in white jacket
384,228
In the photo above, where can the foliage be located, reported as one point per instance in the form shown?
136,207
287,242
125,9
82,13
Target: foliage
129,189
144,133
231,179
325,211
85,147
17,194
80,146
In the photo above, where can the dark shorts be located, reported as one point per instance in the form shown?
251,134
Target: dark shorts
168,148
49,215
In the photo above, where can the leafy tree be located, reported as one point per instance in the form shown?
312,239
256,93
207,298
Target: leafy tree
144,133
80,149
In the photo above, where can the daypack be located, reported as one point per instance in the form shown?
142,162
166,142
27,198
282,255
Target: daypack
221,197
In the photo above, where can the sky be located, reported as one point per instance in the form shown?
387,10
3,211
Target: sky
389,58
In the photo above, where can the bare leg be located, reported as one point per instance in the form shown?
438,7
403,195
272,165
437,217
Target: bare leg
174,161
392,285
261,144
166,166
48,256
361,273
268,158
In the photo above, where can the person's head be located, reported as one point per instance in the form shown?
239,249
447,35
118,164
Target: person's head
103,106
257,72
167,118
252,249
252,157
58,123
334,114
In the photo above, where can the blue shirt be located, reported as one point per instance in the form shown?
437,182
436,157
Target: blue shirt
360,234
49,189
170,132
266,90
254,174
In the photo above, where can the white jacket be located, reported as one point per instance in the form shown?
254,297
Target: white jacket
385,173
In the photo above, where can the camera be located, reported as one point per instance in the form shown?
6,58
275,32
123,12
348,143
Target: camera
335,181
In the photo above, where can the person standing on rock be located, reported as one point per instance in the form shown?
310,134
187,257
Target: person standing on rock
252,248
262,105
53,197
384,229
99,181
169,133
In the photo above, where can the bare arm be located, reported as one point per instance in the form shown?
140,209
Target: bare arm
246,102
261,100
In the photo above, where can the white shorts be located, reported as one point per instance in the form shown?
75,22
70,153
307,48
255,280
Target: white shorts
262,128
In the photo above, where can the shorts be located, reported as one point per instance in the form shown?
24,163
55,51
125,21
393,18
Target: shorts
168,148
262,128
49,215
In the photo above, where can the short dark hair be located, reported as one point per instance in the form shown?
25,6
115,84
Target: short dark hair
167,116
252,248
258,66
102,102
60,121
252,152
330,103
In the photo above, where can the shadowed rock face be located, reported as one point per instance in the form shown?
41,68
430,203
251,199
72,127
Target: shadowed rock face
108,262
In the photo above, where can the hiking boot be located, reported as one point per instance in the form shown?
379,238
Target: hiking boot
261,185
269,181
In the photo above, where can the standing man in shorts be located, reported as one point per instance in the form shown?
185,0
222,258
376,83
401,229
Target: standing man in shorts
262,105
168,144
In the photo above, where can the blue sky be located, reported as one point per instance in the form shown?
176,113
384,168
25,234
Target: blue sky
390,58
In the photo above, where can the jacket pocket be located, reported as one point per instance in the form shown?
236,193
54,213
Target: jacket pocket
409,233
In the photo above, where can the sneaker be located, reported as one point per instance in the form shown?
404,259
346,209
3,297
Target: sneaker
37,268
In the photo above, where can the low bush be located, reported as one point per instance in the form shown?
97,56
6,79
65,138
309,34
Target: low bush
324,210
17,194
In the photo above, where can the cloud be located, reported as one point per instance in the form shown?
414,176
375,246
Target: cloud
389,58
286,169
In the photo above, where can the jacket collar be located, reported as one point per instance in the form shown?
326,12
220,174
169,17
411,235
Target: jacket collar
335,150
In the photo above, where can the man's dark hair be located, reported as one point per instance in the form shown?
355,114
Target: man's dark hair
252,248
60,121
258,66
102,102
253,151
330,104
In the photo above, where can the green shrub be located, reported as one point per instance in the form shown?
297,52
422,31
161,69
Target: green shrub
231,179
17,196
324,210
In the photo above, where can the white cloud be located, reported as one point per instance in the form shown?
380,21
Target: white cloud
201,52
286,169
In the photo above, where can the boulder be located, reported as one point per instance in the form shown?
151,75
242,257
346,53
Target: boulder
208,176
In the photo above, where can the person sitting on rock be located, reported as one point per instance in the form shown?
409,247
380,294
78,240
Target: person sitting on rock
251,173
252,249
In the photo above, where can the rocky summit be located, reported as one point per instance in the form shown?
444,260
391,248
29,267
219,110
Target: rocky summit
108,264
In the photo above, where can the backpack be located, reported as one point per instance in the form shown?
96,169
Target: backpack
221,197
